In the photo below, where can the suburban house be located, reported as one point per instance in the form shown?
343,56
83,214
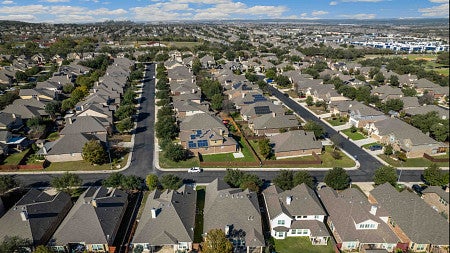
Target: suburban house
386,92
419,227
237,213
355,223
40,94
207,62
206,134
180,74
324,92
404,137
35,216
245,97
257,109
9,121
410,102
442,112
167,221
294,144
189,108
272,124
438,199
93,221
193,97
26,108
363,115
296,212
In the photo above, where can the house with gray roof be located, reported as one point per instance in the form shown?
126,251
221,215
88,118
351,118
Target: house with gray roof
404,137
41,94
35,216
189,108
93,221
259,108
236,212
167,220
180,74
272,124
10,121
207,62
420,110
206,134
356,223
410,102
296,212
438,199
361,115
386,92
417,225
25,111
294,144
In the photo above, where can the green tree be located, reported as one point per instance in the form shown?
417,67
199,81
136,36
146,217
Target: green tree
309,101
138,249
67,182
131,182
216,101
264,147
394,104
53,108
21,76
125,111
388,150
166,128
337,178
196,66
233,177
393,80
250,181
303,177
284,180
43,249
271,74
385,174
125,125
433,175
15,244
216,242
379,78
171,182
314,127
175,152
152,182
68,104
7,182
440,131
113,180
93,152
409,92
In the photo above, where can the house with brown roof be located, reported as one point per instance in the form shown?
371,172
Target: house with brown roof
438,199
296,212
272,124
404,137
294,144
355,223
417,225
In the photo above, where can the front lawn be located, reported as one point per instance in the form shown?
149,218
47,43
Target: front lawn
300,244
336,121
83,165
317,110
368,145
354,136
410,162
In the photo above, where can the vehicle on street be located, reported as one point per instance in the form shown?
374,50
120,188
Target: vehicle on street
195,170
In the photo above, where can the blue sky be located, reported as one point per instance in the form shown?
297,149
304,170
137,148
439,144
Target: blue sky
81,11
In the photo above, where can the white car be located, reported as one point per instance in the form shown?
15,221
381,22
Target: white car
195,170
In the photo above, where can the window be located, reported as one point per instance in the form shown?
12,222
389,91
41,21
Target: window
316,217
305,231
97,247
280,234
281,222
420,246
304,216
443,201
293,231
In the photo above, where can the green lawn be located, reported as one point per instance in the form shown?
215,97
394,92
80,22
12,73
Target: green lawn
337,121
83,165
354,136
367,146
198,231
410,162
245,149
300,244
15,158
166,163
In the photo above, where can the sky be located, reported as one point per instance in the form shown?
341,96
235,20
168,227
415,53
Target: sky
83,11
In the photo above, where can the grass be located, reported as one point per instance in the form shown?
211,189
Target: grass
317,110
198,231
300,244
166,163
144,200
367,146
121,137
188,44
336,121
245,149
354,136
292,94
83,165
410,162
14,159
53,136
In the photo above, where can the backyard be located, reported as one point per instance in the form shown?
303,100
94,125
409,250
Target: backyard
301,244
15,158
198,231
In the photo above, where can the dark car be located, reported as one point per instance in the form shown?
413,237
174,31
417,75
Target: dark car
417,188
375,147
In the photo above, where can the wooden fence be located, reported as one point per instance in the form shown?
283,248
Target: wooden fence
434,159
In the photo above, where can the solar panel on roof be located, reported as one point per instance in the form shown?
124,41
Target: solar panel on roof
192,136
192,144
202,143
259,97
262,109
199,132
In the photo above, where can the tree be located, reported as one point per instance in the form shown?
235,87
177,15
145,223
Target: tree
394,104
440,131
409,92
15,244
125,125
68,88
171,182
152,182
125,111
309,101
385,174
314,127
166,128
250,181
303,177
284,179
264,147
427,98
233,177
388,150
42,249
66,182
433,175
68,104
393,80
53,108
216,242
175,152
379,78
196,66
337,178
216,101
131,182
271,74
113,180
21,76
138,249
94,152
7,182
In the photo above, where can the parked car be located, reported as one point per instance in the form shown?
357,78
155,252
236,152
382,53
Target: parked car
195,170
375,147
417,188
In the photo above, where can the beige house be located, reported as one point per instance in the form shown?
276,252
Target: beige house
294,144
438,199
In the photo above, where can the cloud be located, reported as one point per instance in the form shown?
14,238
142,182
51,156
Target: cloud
8,2
435,11
359,16
365,1
25,9
25,17
319,13
333,3
439,1
55,1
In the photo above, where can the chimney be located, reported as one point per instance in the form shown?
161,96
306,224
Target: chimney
94,203
70,120
153,212
221,131
373,210
227,230
243,95
24,215
274,114
288,200
13,115
44,149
